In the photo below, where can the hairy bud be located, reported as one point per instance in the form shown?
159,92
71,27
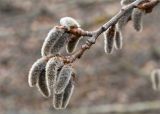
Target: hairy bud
137,19
36,70
57,100
51,40
109,39
42,85
69,22
52,67
124,19
155,77
67,94
125,2
72,44
118,39
63,78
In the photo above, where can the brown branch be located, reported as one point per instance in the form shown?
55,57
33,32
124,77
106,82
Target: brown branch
142,4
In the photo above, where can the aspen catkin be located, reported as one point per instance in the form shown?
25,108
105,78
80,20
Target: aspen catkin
118,39
57,100
109,39
63,78
36,70
155,78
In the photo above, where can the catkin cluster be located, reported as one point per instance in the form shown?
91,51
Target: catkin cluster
113,36
50,74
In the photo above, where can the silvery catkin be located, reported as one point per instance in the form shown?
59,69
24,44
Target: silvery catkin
67,94
109,39
155,78
57,100
36,70
42,85
52,67
118,39
137,15
51,40
63,78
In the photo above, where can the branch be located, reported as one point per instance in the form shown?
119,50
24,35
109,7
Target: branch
146,5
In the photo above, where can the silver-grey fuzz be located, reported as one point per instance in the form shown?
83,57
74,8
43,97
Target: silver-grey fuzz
137,20
155,78
109,39
36,70
63,79
53,36
52,67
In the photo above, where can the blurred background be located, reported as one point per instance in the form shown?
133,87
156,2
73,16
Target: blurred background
107,84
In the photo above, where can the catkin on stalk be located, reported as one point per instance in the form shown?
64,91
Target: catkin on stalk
42,84
109,39
63,78
125,2
36,70
155,78
52,67
137,15
124,19
67,94
72,44
118,39
57,100
51,40
60,43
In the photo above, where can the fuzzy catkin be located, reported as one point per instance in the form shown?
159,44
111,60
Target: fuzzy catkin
155,78
60,43
118,39
125,2
50,40
67,94
57,100
137,19
36,70
63,79
71,46
69,22
109,39
42,84
52,67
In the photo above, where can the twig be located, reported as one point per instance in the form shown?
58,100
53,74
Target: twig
142,4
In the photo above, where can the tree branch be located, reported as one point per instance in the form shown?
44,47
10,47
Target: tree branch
146,5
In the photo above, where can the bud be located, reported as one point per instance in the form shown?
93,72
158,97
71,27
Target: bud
137,19
63,79
36,70
109,39
69,22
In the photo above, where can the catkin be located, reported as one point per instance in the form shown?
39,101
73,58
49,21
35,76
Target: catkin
60,43
67,94
71,46
125,2
52,67
36,70
69,22
118,39
50,40
124,19
155,78
137,19
57,100
109,39
63,79
42,84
